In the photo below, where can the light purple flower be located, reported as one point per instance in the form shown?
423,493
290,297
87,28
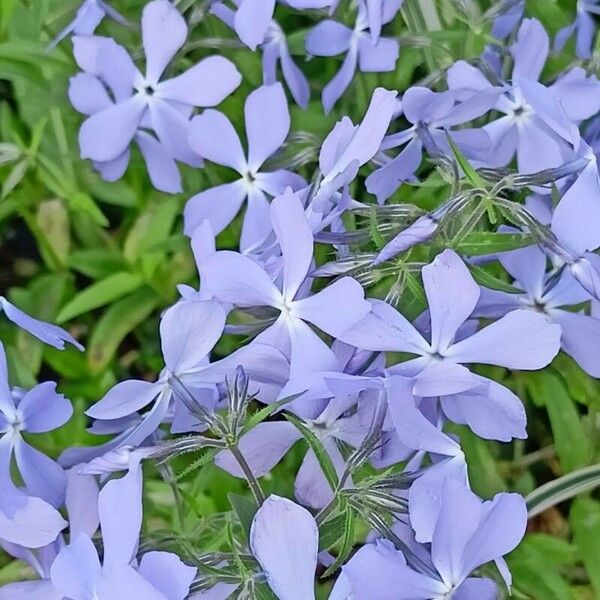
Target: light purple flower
468,533
234,278
46,332
522,339
584,28
38,410
29,519
347,147
544,293
212,136
82,507
433,116
539,122
255,26
189,330
330,38
89,16
144,102
284,539
78,574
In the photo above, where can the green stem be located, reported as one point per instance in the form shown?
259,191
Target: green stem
252,481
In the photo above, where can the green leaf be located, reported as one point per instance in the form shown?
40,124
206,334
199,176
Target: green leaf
331,531
555,551
317,447
482,277
267,411
481,463
263,592
479,243
347,543
585,521
470,173
100,293
245,508
570,439
151,227
96,262
82,203
561,489
117,322
14,178
535,576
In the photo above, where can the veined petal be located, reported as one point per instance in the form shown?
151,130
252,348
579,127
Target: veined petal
452,295
522,339
295,240
233,277
284,539
385,329
323,308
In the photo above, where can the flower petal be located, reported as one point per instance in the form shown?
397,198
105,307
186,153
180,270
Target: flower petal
207,83
218,205
262,447
213,137
295,240
42,409
452,295
124,399
167,573
164,31
234,278
267,123
188,333
162,168
522,339
107,134
252,21
284,539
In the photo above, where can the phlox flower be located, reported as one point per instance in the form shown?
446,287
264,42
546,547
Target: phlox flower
212,136
522,339
188,330
253,22
138,103
29,518
78,574
370,53
468,533
235,279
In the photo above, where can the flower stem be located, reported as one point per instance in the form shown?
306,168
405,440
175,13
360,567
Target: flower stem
255,488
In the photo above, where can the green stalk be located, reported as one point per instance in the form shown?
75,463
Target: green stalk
421,16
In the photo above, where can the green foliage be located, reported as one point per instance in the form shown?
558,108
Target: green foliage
105,259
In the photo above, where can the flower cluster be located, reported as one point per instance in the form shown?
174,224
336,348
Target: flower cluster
331,354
